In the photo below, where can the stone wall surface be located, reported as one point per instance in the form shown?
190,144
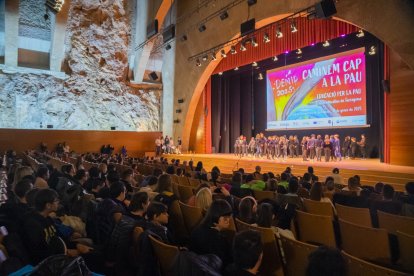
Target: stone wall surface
94,95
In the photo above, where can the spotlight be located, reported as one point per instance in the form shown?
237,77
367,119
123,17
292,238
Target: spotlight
183,38
293,28
233,50
213,57
372,50
224,15
198,63
254,64
279,33
299,51
223,54
266,38
275,58
237,68
54,5
360,33
242,47
202,28
205,57
260,76
178,111
220,73
153,76
326,43
168,47
254,42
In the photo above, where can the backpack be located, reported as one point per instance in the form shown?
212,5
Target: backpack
120,240
285,215
61,265
189,263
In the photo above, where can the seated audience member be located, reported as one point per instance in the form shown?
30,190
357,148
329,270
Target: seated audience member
203,199
138,206
128,180
14,212
236,183
208,237
170,169
338,179
353,186
265,218
284,180
81,177
387,204
349,196
316,193
292,196
271,185
42,176
326,261
257,173
157,214
247,254
377,192
247,209
67,187
165,190
20,173
311,171
97,186
408,200
253,184
307,181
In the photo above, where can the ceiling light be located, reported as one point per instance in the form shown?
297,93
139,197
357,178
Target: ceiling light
299,51
360,33
198,63
223,54
233,50
260,76
266,38
254,42
237,68
275,58
242,47
224,15
326,43
220,73
254,64
213,57
202,28
279,33
293,28
372,50
205,57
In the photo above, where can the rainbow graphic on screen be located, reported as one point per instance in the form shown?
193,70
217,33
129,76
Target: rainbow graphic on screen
322,93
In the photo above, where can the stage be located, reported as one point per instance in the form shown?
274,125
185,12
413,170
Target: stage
371,171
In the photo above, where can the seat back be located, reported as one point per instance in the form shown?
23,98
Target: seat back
177,221
365,242
315,229
194,182
134,249
357,266
318,208
182,180
192,216
260,195
185,192
394,223
359,216
296,255
406,244
166,254
174,178
241,226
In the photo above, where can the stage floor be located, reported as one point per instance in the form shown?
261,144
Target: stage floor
371,171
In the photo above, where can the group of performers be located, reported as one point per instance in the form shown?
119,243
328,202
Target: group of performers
166,145
309,147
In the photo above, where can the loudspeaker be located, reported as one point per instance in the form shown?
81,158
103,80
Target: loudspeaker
177,121
49,126
152,29
251,2
247,27
169,33
325,9
386,85
202,28
224,15
153,76
113,128
180,100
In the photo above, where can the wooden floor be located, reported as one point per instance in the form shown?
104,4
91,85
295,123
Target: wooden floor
371,171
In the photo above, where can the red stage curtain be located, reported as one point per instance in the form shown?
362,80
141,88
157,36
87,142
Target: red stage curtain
309,31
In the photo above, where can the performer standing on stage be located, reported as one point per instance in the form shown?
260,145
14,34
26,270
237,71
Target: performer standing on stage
311,147
258,147
337,147
252,146
158,145
276,146
327,148
283,147
291,145
244,146
353,147
332,138
346,146
179,144
167,144
304,145
297,145
319,147
236,146
362,146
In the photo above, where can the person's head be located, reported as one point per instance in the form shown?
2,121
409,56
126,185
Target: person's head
284,176
335,171
358,179
199,166
388,192
326,261
97,184
139,202
293,185
214,175
316,191
258,169
179,171
81,175
20,173
164,184
249,178
241,170
216,169
310,170
265,215
103,168
271,185
30,197
68,169
409,188
113,176
94,172
352,183
43,172
203,199
271,175
248,250
265,177
157,172
330,184
46,200
378,187
307,177
247,209
170,169
218,215
128,175
237,178
22,188
117,190
157,213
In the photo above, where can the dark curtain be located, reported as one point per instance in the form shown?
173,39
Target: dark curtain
239,98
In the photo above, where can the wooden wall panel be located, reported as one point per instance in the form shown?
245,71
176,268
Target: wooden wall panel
402,113
137,143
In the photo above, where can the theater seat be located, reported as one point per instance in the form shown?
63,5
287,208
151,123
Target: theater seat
192,216
394,223
315,229
318,208
166,254
406,245
359,216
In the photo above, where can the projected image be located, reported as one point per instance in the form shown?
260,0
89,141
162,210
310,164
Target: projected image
318,94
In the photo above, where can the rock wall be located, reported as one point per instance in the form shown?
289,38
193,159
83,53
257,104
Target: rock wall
94,96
